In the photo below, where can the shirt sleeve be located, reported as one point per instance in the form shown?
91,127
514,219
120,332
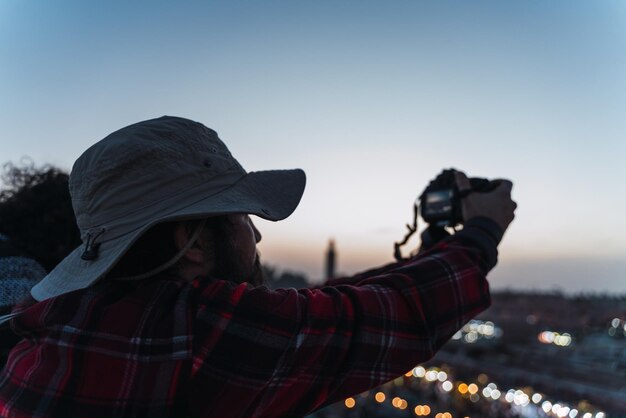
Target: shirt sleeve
294,351
482,233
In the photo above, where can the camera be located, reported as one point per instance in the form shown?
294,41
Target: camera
440,206
440,202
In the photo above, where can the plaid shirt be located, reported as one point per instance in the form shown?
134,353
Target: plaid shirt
213,348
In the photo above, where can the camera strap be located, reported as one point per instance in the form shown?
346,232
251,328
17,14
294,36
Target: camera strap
397,254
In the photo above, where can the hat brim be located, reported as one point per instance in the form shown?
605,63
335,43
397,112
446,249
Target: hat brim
271,195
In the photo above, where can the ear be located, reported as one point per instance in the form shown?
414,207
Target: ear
181,236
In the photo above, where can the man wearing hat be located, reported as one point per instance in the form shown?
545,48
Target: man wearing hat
161,311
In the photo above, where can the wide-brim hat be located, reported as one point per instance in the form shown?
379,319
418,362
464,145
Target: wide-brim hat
159,170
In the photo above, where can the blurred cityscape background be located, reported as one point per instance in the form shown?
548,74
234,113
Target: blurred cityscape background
531,354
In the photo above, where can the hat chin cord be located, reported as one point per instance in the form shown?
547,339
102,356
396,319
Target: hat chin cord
172,261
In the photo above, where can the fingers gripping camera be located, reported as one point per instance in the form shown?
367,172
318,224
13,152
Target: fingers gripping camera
451,199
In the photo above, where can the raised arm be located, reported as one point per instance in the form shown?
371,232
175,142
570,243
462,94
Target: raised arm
293,351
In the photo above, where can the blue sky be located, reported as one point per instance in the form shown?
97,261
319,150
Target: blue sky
372,99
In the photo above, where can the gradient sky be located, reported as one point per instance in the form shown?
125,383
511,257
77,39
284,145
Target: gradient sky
371,99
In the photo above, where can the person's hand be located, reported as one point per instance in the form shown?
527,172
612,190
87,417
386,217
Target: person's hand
496,205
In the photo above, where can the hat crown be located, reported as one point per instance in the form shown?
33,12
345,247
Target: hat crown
144,163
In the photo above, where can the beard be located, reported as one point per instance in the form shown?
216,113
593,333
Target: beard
229,267
229,263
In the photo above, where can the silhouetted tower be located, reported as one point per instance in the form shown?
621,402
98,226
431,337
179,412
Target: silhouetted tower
331,258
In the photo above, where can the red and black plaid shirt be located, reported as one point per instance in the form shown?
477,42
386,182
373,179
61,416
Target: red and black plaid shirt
213,348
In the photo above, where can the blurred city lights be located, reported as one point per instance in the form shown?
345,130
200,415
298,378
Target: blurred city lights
431,375
422,410
442,380
550,337
495,394
476,329
462,388
419,371
510,396
520,398
546,406
563,412
617,326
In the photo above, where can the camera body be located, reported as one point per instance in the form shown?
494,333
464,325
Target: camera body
440,202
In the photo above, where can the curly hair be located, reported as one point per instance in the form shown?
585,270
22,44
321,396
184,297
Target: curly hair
36,212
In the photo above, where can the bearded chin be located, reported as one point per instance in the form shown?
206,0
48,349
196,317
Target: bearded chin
229,268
